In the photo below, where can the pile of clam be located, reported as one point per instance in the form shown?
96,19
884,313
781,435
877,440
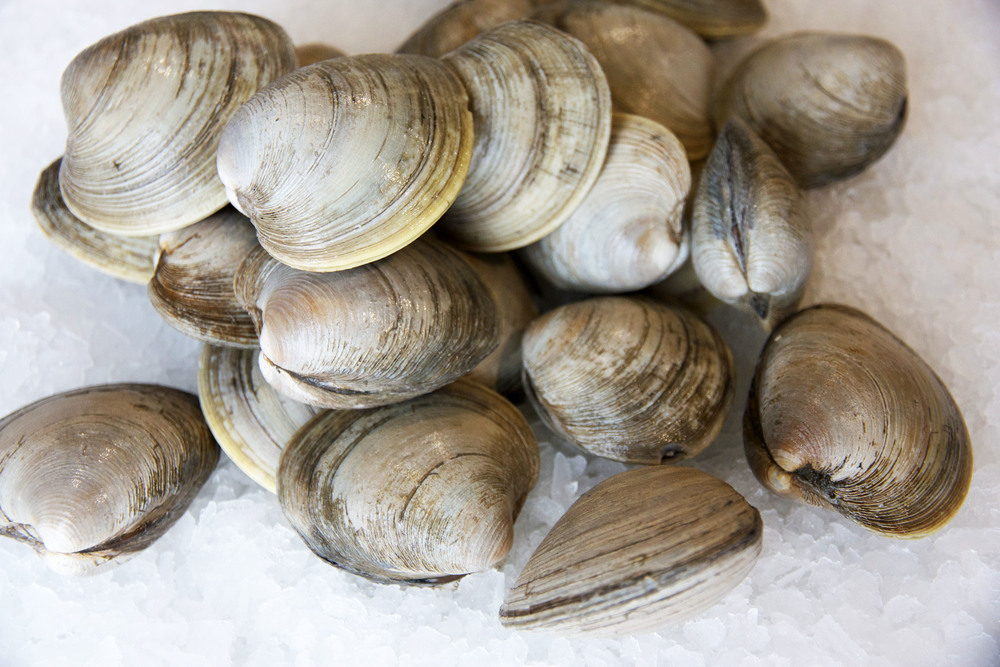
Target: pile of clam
363,319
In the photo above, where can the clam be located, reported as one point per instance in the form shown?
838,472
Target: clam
460,22
627,233
130,258
91,476
373,335
346,161
656,67
828,104
710,18
192,288
419,492
249,419
751,239
628,379
641,550
314,52
145,108
542,115
842,414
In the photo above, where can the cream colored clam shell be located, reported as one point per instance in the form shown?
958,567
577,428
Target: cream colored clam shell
98,473
842,414
460,22
249,419
130,258
629,379
628,232
346,161
377,334
419,492
656,68
145,108
828,104
641,550
714,19
542,122
751,237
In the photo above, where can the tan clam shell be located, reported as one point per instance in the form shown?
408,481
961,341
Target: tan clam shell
96,474
751,237
643,549
828,104
842,414
419,492
400,122
249,419
628,232
656,67
145,108
130,258
377,334
629,379
462,21
314,52
542,114
714,19
192,288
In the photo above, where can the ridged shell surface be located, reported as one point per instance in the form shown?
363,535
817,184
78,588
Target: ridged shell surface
420,492
842,414
145,108
96,473
629,379
346,161
828,104
542,113
378,334
639,551
628,232
130,258
714,19
460,22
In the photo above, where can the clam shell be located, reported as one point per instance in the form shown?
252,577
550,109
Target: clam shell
542,114
378,334
629,379
145,107
419,492
314,52
95,474
714,19
628,232
460,22
192,288
842,414
130,258
346,161
641,550
828,104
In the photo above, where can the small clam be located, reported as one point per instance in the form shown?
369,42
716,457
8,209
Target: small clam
842,414
348,160
418,492
314,52
377,334
99,473
641,550
828,104
145,108
627,233
460,22
751,241
628,379
710,18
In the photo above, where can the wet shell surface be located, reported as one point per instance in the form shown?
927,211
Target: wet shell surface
419,492
828,104
710,18
629,379
192,288
627,233
641,550
249,419
656,67
378,334
145,108
99,473
130,258
842,414
542,113
751,238
460,22
346,161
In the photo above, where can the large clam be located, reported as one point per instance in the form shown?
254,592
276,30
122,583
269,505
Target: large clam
710,18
